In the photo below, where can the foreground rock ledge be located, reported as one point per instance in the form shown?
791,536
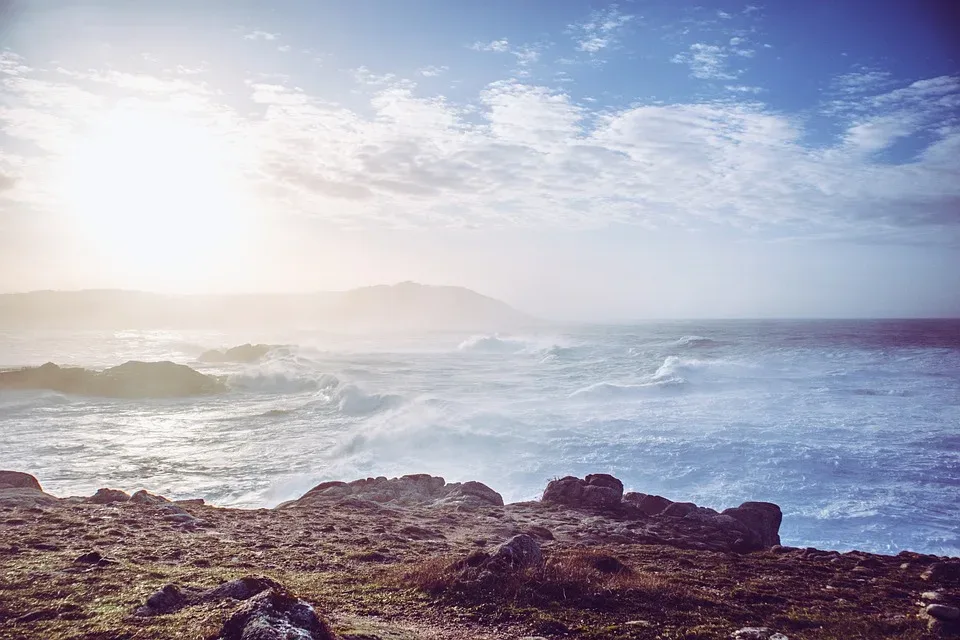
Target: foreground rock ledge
417,557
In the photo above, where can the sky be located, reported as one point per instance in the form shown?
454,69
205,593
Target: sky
580,160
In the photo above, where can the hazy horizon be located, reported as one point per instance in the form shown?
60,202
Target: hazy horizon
597,163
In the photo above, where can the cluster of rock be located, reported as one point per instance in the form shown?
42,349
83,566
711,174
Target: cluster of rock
752,526
166,510
268,612
245,353
410,490
132,379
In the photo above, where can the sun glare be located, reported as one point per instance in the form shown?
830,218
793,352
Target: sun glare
157,196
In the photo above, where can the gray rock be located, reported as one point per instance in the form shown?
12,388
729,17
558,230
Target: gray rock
26,498
762,519
108,496
240,589
596,491
171,598
679,510
943,612
275,615
145,497
410,490
243,354
18,480
168,599
647,504
519,552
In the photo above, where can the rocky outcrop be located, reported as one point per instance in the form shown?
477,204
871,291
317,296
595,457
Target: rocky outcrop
18,480
750,527
761,519
129,380
145,497
244,353
596,491
108,496
647,504
19,489
410,490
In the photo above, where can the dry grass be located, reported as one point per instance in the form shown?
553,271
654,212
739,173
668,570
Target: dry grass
588,578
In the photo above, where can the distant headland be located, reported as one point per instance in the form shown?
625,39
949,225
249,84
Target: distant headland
403,307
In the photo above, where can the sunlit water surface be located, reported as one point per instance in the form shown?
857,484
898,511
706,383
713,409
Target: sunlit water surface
852,427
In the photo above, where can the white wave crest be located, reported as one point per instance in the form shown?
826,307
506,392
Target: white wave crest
694,341
601,390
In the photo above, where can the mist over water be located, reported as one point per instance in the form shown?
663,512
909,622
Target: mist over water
850,426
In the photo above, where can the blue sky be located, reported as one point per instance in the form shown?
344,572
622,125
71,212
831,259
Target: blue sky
582,160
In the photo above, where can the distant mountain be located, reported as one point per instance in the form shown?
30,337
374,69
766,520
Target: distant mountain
403,307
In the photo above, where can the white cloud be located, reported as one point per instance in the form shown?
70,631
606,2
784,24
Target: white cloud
526,55
523,154
261,35
862,81
601,30
433,71
741,88
499,46
706,61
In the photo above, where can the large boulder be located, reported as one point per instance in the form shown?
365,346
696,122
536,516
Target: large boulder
19,489
762,520
517,553
132,379
410,490
596,491
18,480
275,615
244,353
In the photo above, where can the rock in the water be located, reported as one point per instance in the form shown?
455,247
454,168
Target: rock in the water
275,615
129,380
145,497
598,490
762,519
108,496
519,552
244,353
18,480
647,504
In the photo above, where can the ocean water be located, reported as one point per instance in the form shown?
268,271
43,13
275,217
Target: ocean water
852,427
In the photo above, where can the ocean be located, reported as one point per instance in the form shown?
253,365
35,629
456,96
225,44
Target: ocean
852,427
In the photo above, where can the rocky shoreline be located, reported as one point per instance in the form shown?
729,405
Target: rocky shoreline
417,557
